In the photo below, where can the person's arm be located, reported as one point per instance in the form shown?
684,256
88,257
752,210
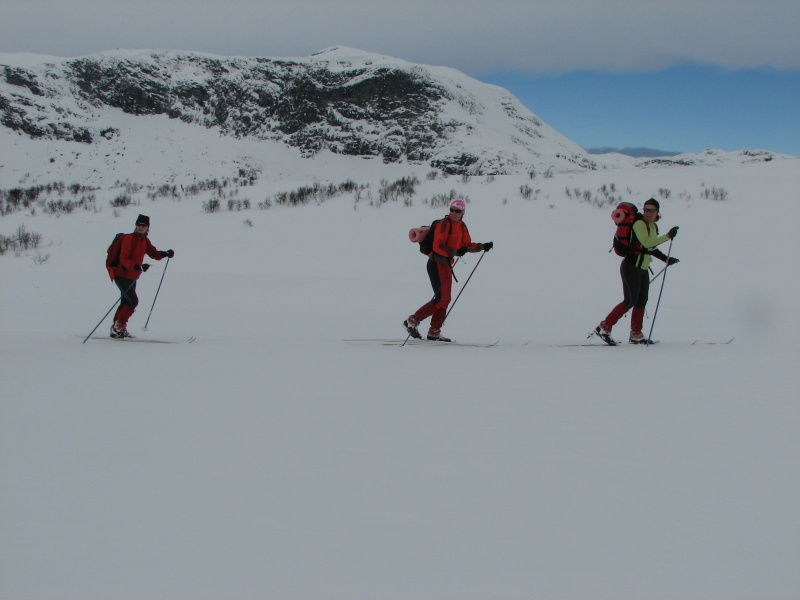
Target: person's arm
647,239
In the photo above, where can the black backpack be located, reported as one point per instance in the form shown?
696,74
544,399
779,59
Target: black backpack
426,243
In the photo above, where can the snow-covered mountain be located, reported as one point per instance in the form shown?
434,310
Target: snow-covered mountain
342,100
62,117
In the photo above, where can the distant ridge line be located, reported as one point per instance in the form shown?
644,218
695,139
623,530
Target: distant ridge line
634,152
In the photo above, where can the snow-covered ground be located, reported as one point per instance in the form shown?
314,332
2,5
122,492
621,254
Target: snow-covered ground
272,458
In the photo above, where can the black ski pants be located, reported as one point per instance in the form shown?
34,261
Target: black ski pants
635,285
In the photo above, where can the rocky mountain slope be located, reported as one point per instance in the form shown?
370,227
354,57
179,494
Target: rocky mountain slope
342,100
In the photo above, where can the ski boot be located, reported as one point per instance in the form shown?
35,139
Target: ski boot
637,338
435,335
411,328
604,334
438,338
640,339
119,331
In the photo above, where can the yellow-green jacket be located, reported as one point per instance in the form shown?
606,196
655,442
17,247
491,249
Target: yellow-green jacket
647,234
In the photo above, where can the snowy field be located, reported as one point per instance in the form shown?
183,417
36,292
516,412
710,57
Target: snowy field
271,458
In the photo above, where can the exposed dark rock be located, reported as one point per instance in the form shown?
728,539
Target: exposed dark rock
393,112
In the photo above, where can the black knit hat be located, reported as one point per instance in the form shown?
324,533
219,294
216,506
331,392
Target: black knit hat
654,202
143,220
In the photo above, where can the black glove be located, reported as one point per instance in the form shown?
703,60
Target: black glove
141,268
661,256
461,251
672,233
487,246
167,254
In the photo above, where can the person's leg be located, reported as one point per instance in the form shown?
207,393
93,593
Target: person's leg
127,304
445,295
639,303
427,309
630,291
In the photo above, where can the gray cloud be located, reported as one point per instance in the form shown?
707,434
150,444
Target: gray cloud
475,36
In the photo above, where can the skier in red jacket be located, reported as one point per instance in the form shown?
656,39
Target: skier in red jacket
132,251
450,239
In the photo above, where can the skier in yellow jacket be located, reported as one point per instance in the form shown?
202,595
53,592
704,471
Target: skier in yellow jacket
635,274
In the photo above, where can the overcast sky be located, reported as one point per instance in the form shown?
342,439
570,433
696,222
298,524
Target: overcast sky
566,59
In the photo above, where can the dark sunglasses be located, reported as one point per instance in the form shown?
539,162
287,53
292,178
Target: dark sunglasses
456,210
650,210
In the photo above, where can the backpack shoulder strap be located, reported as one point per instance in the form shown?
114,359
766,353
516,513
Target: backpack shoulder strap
443,225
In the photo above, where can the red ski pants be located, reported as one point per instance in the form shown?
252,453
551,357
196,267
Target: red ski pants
635,288
128,300
441,277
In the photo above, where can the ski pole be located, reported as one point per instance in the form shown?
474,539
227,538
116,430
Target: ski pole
464,286
655,314
125,293
657,275
156,296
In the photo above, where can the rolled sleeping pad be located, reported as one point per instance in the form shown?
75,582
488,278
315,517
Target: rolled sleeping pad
418,234
624,212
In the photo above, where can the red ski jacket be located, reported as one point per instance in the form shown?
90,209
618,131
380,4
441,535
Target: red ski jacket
132,251
449,236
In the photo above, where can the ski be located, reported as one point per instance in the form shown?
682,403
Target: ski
698,343
582,345
603,345
652,343
419,342
143,340
414,342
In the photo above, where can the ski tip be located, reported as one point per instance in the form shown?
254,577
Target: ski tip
698,342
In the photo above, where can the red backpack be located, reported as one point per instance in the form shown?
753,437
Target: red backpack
112,258
625,215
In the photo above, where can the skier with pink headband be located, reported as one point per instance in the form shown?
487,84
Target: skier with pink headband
451,239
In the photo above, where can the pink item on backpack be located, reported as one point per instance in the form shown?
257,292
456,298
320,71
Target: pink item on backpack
418,234
624,213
